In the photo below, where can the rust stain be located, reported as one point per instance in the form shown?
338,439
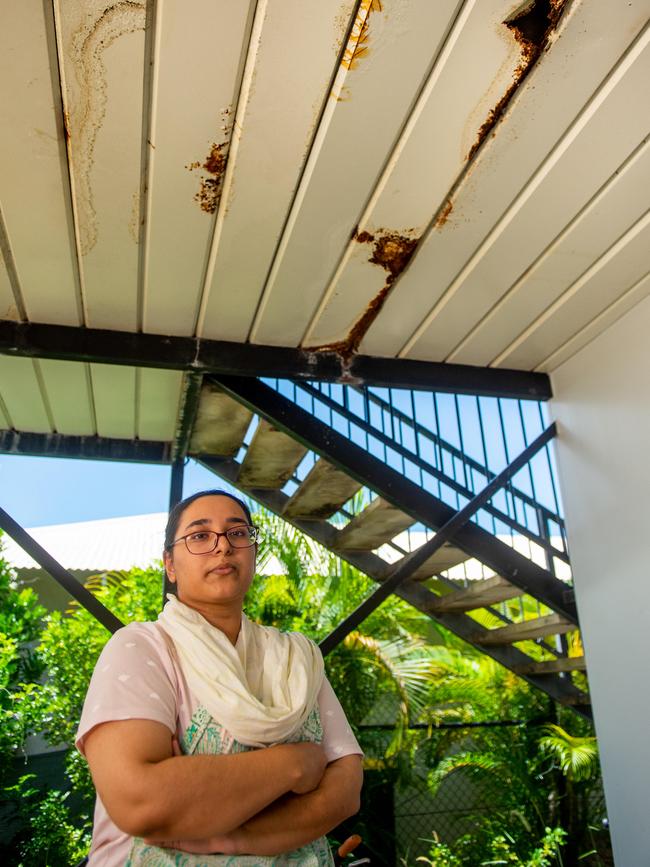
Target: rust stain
209,194
357,46
531,27
89,95
443,216
66,128
392,251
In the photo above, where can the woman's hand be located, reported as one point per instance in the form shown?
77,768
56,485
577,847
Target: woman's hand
310,763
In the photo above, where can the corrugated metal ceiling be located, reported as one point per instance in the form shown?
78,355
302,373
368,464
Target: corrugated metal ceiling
445,181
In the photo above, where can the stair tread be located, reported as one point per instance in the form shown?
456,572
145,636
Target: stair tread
446,557
271,458
479,595
322,493
553,666
540,627
221,423
378,523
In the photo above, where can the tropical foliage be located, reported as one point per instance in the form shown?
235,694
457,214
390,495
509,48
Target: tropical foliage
397,668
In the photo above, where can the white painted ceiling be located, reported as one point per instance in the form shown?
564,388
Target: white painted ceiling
241,170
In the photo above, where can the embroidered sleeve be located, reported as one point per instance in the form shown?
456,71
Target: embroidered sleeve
133,679
338,737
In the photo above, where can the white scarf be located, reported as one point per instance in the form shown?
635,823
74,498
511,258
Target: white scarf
262,690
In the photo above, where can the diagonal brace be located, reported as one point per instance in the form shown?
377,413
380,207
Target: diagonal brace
59,573
413,561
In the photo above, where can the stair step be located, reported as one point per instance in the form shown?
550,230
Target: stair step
221,423
378,523
444,558
552,624
271,458
553,666
479,595
322,493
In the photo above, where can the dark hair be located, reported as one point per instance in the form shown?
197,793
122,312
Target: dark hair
175,515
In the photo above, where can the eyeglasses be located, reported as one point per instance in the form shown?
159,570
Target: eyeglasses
205,541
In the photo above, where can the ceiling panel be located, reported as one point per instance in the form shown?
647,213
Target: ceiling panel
158,399
293,51
623,265
590,41
461,181
8,307
581,161
102,53
114,389
68,388
620,202
34,184
600,323
413,186
396,42
192,115
22,394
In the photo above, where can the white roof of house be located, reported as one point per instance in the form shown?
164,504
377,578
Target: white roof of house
109,543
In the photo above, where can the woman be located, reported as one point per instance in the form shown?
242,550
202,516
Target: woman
207,733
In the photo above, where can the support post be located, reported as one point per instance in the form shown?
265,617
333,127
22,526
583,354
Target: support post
175,496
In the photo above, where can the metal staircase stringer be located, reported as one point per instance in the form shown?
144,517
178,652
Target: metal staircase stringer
398,490
559,688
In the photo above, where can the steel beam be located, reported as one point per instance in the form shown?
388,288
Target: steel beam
94,448
398,490
36,340
187,414
59,573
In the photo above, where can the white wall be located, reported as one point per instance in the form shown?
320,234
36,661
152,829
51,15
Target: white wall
602,406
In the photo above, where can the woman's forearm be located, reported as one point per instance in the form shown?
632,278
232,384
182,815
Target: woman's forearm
148,792
290,822
295,820
190,792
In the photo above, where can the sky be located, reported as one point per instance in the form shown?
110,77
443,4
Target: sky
37,492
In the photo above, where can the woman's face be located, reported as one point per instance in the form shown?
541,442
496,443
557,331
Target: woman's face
224,575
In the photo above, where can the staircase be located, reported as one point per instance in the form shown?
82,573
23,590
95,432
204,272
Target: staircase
334,464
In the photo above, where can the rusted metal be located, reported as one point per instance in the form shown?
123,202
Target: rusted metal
357,46
443,215
392,251
531,27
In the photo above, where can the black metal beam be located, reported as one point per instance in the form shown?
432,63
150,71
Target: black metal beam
398,490
413,561
175,496
36,340
59,573
187,414
410,591
94,448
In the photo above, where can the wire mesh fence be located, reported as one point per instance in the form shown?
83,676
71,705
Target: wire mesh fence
426,806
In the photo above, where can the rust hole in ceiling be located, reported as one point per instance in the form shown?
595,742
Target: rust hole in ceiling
531,26
392,251
215,164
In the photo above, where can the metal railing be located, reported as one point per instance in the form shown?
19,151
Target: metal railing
452,446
